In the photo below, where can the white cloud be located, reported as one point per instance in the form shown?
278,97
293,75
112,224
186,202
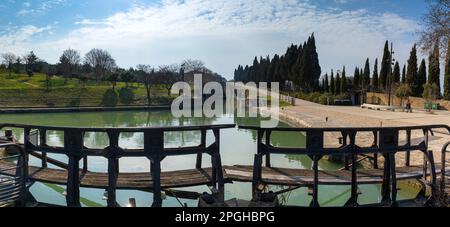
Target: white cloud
41,9
19,40
227,33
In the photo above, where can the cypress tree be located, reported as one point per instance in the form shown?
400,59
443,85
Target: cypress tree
385,65
338,84
411,73
447,74
344,81
356,78
434,71
404,74
361,75
308,67
421,78
396,74
375,81
366,74
332,84
327,84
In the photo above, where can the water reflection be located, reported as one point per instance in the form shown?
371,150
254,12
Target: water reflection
237,146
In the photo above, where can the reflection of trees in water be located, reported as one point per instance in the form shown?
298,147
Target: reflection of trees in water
304,160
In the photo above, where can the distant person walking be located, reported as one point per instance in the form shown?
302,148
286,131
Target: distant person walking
408,106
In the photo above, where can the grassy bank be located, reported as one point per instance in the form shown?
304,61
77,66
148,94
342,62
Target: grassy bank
19,90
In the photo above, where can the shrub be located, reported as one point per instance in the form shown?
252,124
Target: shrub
126,96
110,98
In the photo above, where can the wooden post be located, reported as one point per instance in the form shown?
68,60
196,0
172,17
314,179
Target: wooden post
408,143
154,147
433,175
43,143
257,176
315,199
425,158
73,144
268,144
394,179
354,190
113,167
346,156
443,167
218,166
257,167
203,145
375,156
385,187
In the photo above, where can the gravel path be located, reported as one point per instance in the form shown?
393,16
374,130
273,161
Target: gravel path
307,114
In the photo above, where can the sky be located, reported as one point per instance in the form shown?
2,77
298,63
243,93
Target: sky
222,33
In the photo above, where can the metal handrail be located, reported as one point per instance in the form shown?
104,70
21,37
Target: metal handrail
443,167
13,188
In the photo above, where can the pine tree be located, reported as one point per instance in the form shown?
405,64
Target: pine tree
411,73
421,79
375,82
434,72
332,83
396,74
366,74
385,66
404,74
447,74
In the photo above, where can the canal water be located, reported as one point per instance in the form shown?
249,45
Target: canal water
237,148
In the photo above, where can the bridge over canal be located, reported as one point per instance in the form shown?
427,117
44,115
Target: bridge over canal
18,176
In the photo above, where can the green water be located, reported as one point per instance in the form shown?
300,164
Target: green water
237,147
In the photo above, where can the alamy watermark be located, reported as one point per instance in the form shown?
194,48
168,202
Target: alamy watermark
245,100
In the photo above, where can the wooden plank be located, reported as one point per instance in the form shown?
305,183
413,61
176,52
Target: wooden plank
281,176
196,177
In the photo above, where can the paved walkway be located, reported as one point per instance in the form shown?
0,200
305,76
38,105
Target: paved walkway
307,114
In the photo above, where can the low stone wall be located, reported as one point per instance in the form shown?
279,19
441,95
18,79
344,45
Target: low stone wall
417,103
82,109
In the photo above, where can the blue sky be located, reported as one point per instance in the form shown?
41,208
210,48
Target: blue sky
222,33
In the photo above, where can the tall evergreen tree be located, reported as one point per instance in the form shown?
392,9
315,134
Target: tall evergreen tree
366,74
356,78
404,74
447,74
308,67
411,73
375,81
385,66
434,71
421,78
338,84
332,83
344,81
327,84
396,75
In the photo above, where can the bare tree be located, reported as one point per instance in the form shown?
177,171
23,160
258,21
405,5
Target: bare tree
146,75
190,65
70,62
436,26
101,62
8,59
168,75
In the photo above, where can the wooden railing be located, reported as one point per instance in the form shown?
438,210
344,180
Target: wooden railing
153,150
385,143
